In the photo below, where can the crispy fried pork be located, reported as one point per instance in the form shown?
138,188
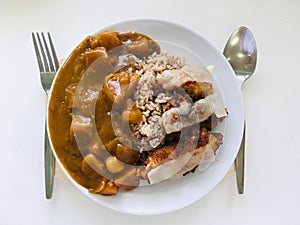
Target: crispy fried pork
166,163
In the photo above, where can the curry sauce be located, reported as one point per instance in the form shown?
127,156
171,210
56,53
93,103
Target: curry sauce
97,74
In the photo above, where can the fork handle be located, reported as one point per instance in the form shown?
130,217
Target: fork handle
240,164
49,163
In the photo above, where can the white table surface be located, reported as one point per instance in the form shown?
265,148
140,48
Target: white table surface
271,98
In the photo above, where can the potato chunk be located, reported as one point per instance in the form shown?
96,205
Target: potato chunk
96,164
82,129
107,39
113,165
127,155
128,180
99,60
106,132
92,167
139,48
69,95
133,116
119,85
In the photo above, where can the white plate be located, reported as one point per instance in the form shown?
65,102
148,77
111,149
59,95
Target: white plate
177,194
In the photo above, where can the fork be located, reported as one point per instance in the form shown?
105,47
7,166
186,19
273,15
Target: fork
48,65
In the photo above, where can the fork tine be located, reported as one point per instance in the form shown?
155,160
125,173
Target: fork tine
43,53
50,61
37,53
53,52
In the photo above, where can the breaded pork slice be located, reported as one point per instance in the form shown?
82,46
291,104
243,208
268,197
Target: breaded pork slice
164,163
203,156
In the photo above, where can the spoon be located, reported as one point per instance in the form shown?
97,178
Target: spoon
241,52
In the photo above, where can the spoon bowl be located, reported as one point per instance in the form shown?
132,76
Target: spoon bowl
241,53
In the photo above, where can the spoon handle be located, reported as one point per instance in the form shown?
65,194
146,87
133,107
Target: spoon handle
240,164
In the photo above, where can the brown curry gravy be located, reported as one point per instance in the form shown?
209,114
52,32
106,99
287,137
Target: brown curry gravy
60,110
